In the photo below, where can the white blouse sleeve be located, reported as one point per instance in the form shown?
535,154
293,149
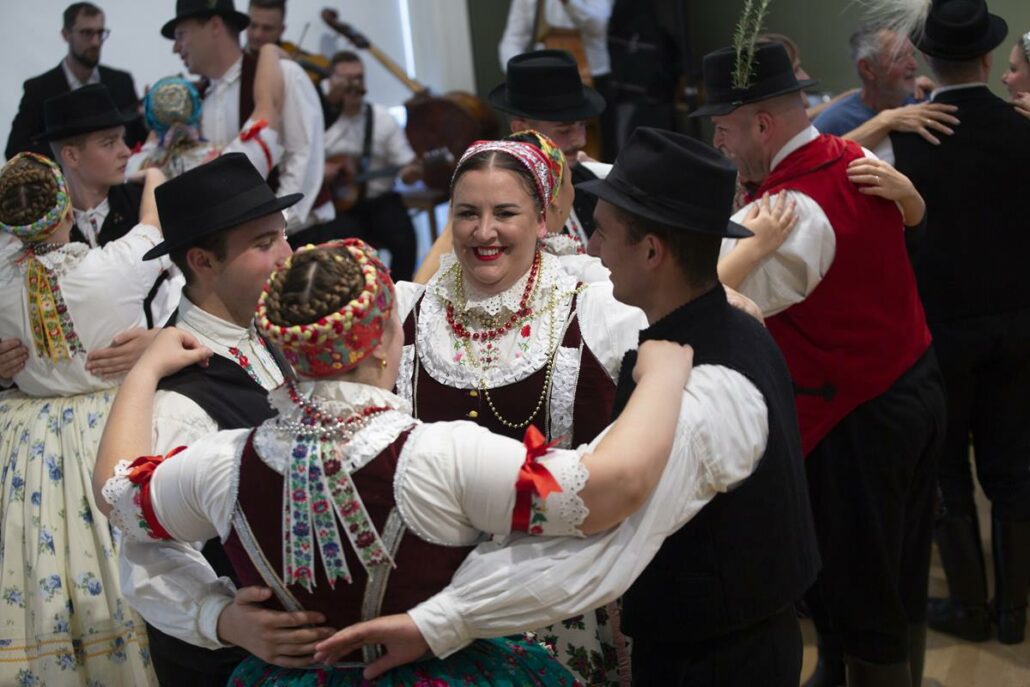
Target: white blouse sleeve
798,266
609,327
456,481
179,421
532,582
407,294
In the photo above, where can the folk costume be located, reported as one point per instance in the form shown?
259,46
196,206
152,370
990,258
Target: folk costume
841,302
65,618
337,452
546,352
979,312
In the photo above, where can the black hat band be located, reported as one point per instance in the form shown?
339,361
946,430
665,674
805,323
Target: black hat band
546,103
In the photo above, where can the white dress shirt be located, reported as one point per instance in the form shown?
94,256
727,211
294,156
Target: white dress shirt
532,582
589,16
90,221
73,81
390,147
103,289
302,128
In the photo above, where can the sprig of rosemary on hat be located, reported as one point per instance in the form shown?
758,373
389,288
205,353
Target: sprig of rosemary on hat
744,39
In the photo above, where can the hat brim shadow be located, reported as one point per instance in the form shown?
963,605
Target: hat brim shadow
276,205
593,105
240,20
605,191
717,109
86,126
994,37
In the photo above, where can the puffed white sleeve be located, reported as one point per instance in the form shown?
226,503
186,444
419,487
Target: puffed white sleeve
124,256
518,31
609,327
798,266
303,140
532,582
456,481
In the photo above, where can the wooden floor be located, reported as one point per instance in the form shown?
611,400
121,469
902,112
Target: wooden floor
951,662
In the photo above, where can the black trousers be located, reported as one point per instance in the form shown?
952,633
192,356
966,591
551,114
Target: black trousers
872,484
986,367
382,222
178,664
768,654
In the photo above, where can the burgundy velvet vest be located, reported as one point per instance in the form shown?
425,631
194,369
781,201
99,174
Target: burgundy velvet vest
595,394
423,569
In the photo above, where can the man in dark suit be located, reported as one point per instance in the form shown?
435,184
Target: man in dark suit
971,268
85,33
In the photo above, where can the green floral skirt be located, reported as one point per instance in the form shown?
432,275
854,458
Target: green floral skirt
504,662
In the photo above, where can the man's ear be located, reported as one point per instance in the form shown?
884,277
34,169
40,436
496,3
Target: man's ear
764,122
199,260
656,250
865,70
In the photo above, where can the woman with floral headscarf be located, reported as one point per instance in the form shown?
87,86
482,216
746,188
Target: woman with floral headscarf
64,618
1017,76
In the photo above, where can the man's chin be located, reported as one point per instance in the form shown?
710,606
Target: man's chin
87,61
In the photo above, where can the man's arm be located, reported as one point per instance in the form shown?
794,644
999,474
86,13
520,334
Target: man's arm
303,139
518,31
26,122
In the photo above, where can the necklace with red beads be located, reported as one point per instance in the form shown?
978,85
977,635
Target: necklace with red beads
317,422
524,312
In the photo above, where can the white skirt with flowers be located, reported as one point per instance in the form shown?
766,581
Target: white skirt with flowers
62,618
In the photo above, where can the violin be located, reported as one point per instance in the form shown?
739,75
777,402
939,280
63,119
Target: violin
317,66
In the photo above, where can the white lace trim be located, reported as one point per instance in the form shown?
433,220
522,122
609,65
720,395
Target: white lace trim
445,360
406,374
573,477
62,260
563,394
561,244
443,286
120,493
398,479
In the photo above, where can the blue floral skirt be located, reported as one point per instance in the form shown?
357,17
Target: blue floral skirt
504,662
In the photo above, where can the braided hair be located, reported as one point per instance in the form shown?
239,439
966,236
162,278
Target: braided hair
318,282
28,191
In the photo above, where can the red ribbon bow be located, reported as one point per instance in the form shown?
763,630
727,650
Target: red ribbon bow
254,132
141,471
533,478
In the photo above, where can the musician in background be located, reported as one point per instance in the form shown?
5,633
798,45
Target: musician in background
366,150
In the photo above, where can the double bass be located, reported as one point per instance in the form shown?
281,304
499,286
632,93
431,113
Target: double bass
439,128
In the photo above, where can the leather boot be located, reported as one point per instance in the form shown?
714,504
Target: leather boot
864,674
916,651
964,614
1011,547
829,667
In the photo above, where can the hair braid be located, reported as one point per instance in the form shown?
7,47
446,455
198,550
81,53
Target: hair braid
318,282
28,191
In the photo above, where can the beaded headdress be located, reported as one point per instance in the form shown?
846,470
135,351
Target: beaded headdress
526,154
1024,42
172,100
554,155
337,342
43,227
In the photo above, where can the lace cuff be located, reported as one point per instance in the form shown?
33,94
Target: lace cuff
128,493
547,501
260,143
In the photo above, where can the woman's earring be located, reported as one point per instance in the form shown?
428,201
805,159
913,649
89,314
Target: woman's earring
382,363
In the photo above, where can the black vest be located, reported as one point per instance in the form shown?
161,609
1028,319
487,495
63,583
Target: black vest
233,400
584,203
749,552
123,203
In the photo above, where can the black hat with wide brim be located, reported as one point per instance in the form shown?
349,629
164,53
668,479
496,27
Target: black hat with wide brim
772,75
82,111
673,179
961,30
545,85
215,196
202,9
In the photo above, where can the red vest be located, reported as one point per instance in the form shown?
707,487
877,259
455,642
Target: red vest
863,326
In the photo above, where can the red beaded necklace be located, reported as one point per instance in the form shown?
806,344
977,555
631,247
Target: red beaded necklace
325,424
524,311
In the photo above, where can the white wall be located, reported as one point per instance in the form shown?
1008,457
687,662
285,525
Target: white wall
434,44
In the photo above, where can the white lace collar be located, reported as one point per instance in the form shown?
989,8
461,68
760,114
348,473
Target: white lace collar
341,398
444,285
61,260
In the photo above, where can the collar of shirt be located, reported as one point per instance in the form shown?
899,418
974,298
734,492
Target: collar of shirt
73,81
90,221
802,138
945,89
231,75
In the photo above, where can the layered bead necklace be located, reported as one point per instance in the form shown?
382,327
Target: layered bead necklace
317,422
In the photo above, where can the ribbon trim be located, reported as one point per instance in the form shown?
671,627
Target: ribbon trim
253,132
533,478
141,471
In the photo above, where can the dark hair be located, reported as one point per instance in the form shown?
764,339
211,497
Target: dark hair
345,56
270,5
77,141
215,243
318,282
72,12
487,159
28,190
696,254
952,71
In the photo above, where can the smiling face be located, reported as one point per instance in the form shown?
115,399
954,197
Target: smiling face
1017,75
252,251
195,45
496,226
267,25
895,66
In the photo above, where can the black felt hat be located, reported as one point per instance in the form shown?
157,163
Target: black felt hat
201,9
673,179
220,194
545,84
773,75
81,111
961,30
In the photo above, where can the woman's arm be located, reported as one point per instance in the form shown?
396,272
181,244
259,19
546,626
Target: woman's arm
922,118
877,178
269,86
152,178
771,222
128,432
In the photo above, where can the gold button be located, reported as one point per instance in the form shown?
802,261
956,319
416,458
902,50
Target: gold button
473,414
474,393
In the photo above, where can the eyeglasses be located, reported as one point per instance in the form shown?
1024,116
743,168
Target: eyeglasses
90,34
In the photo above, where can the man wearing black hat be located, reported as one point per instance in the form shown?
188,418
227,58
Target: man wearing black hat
544,92
85,33
970,267
206,35
224,228
729,527
841,302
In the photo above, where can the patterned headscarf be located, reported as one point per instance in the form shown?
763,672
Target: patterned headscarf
172,100
33,181
337,342
554,155
528,155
